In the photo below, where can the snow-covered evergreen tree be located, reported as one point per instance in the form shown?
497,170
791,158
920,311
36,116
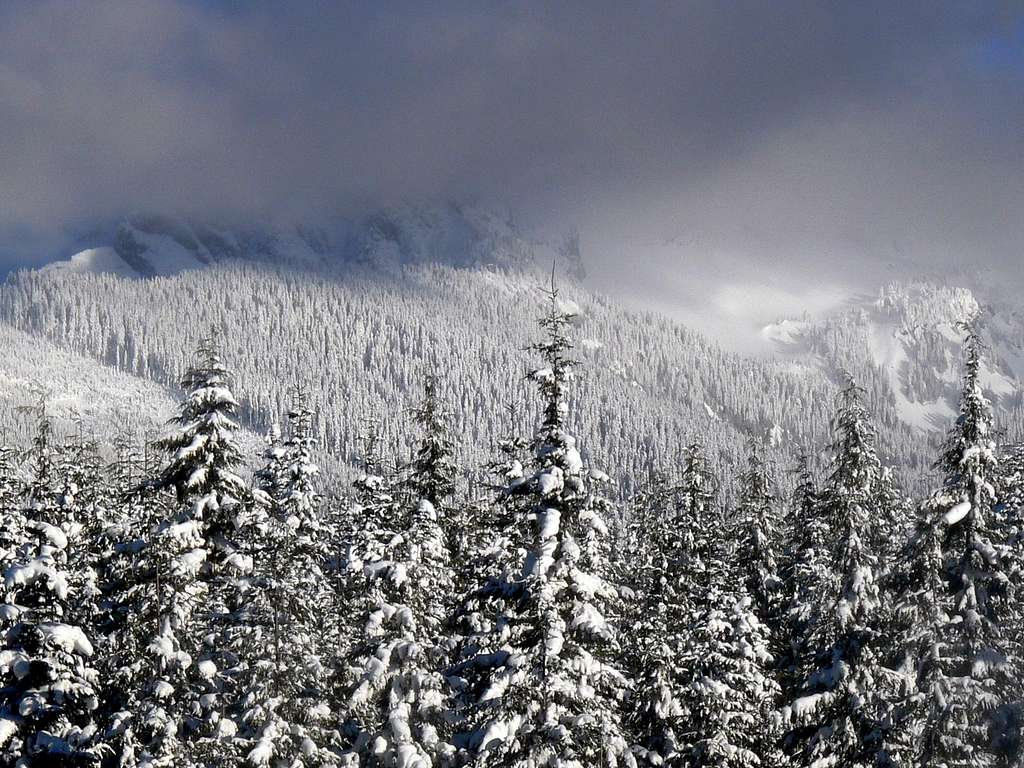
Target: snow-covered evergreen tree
840,713
703,526
178,591
552,695
283,701
963,659
661,536
732,693
202,453
48,693
432,473
12,519
802,568
757,522
496,534
398,699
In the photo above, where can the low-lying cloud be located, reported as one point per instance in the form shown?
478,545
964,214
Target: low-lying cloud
760,132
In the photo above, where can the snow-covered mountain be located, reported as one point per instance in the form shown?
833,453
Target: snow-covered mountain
912,335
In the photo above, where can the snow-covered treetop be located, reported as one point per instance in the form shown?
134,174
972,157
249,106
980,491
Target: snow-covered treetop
433,468
201,449
968,456
552,379
856,468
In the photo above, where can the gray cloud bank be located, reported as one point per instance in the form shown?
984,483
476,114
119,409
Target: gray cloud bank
756,131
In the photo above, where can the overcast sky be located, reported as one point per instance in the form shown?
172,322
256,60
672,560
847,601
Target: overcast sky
685,140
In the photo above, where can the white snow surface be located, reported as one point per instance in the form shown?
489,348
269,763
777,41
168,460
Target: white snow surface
66,637
96,261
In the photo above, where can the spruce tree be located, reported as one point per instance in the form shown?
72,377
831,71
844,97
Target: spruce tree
757,535
12,518
202,454
283,703
432,473
496,535
398,697
48,697
180,588
841,710
801,571
663,530
963,658
552,694
731,696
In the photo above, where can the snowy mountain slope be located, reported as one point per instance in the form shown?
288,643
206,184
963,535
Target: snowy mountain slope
76,388
912,335
103,260
363,341
148,245
80,394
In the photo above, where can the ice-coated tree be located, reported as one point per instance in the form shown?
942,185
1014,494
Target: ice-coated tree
551,694
48,687
963,658
840,712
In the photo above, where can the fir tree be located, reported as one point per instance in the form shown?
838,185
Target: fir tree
496,535
841,711
552,695
12,519
662,533
800,572
398,698
957,598
48,696
182,582
731,696
283,704
432,474
202,455
757,536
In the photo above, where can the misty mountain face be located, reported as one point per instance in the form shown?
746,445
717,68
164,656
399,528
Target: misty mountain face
151,245
359,313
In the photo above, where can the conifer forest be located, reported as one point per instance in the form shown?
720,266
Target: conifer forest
176,606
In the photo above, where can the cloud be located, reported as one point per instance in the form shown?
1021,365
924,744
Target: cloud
759,128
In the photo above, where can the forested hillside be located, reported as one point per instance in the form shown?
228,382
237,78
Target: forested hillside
360,343
360,312
164,610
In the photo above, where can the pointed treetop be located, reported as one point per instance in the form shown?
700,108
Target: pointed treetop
433,468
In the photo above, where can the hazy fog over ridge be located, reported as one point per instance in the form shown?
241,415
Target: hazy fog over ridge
697,148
